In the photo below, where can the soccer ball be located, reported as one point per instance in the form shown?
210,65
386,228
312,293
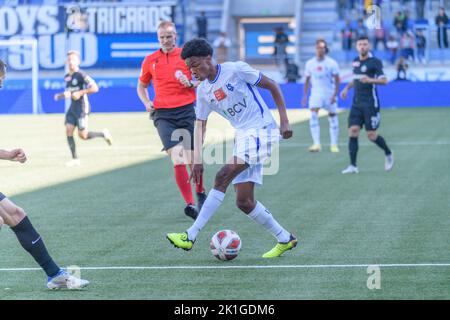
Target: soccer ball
225,245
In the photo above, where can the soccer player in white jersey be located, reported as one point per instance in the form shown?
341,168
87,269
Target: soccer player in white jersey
230,89
322,73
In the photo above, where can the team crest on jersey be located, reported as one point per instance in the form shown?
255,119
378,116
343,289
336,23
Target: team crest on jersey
220,94
319,68
356,64
68,78
230,87
363,68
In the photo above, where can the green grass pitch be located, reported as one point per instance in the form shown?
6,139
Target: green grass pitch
115,210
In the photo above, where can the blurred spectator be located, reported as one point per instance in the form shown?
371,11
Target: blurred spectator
343,6
420,9
347,36
408,21
202,26
361,29
221,45
392,45
407,46
401,67
400,22
281,42
291,71
421,43
441,22
379,36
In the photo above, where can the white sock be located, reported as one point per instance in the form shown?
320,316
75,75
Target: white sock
334,129
212,203
263,216
314,127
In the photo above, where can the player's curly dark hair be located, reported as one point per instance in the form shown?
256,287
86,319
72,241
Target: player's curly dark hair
196,48
2,66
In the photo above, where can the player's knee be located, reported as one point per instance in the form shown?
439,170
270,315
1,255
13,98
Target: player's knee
353,132
245,204
372,136
222,179
16,215
83,135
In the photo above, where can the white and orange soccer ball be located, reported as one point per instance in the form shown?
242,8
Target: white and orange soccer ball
225,245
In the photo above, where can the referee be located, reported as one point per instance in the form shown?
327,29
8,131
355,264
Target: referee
172,110
367,74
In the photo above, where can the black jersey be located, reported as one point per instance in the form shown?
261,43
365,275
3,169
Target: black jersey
78,81
365,94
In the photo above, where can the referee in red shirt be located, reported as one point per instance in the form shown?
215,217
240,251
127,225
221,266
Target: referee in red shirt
172,110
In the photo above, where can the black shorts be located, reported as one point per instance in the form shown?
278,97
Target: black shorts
368,116
176,125
2,196
77,119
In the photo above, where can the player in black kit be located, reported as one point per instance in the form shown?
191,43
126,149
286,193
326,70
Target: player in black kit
367,73
17,219
78,86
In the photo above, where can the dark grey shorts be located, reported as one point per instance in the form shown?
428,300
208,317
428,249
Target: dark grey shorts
176,125
2,196
77,119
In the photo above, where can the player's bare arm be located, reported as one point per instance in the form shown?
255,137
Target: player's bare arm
337,83
345,91
199,138
63,95
275,91
144,97
92,88
380,81
305,91
13,155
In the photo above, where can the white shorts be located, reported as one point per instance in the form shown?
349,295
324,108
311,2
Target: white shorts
322,101
254,147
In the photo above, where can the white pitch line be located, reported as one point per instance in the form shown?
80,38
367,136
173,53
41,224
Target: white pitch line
282,144
304,266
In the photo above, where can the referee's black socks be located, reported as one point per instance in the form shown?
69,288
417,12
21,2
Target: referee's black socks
382,144
353,150
31,241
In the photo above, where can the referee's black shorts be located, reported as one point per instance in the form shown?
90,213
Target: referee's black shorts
175,125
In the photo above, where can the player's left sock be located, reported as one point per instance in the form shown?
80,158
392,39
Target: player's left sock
263,217
212,203
334,129
315,127
93,134
382,144
353,150
32,242
71,142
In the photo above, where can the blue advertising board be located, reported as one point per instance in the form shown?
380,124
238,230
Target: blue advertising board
116,35
119,95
